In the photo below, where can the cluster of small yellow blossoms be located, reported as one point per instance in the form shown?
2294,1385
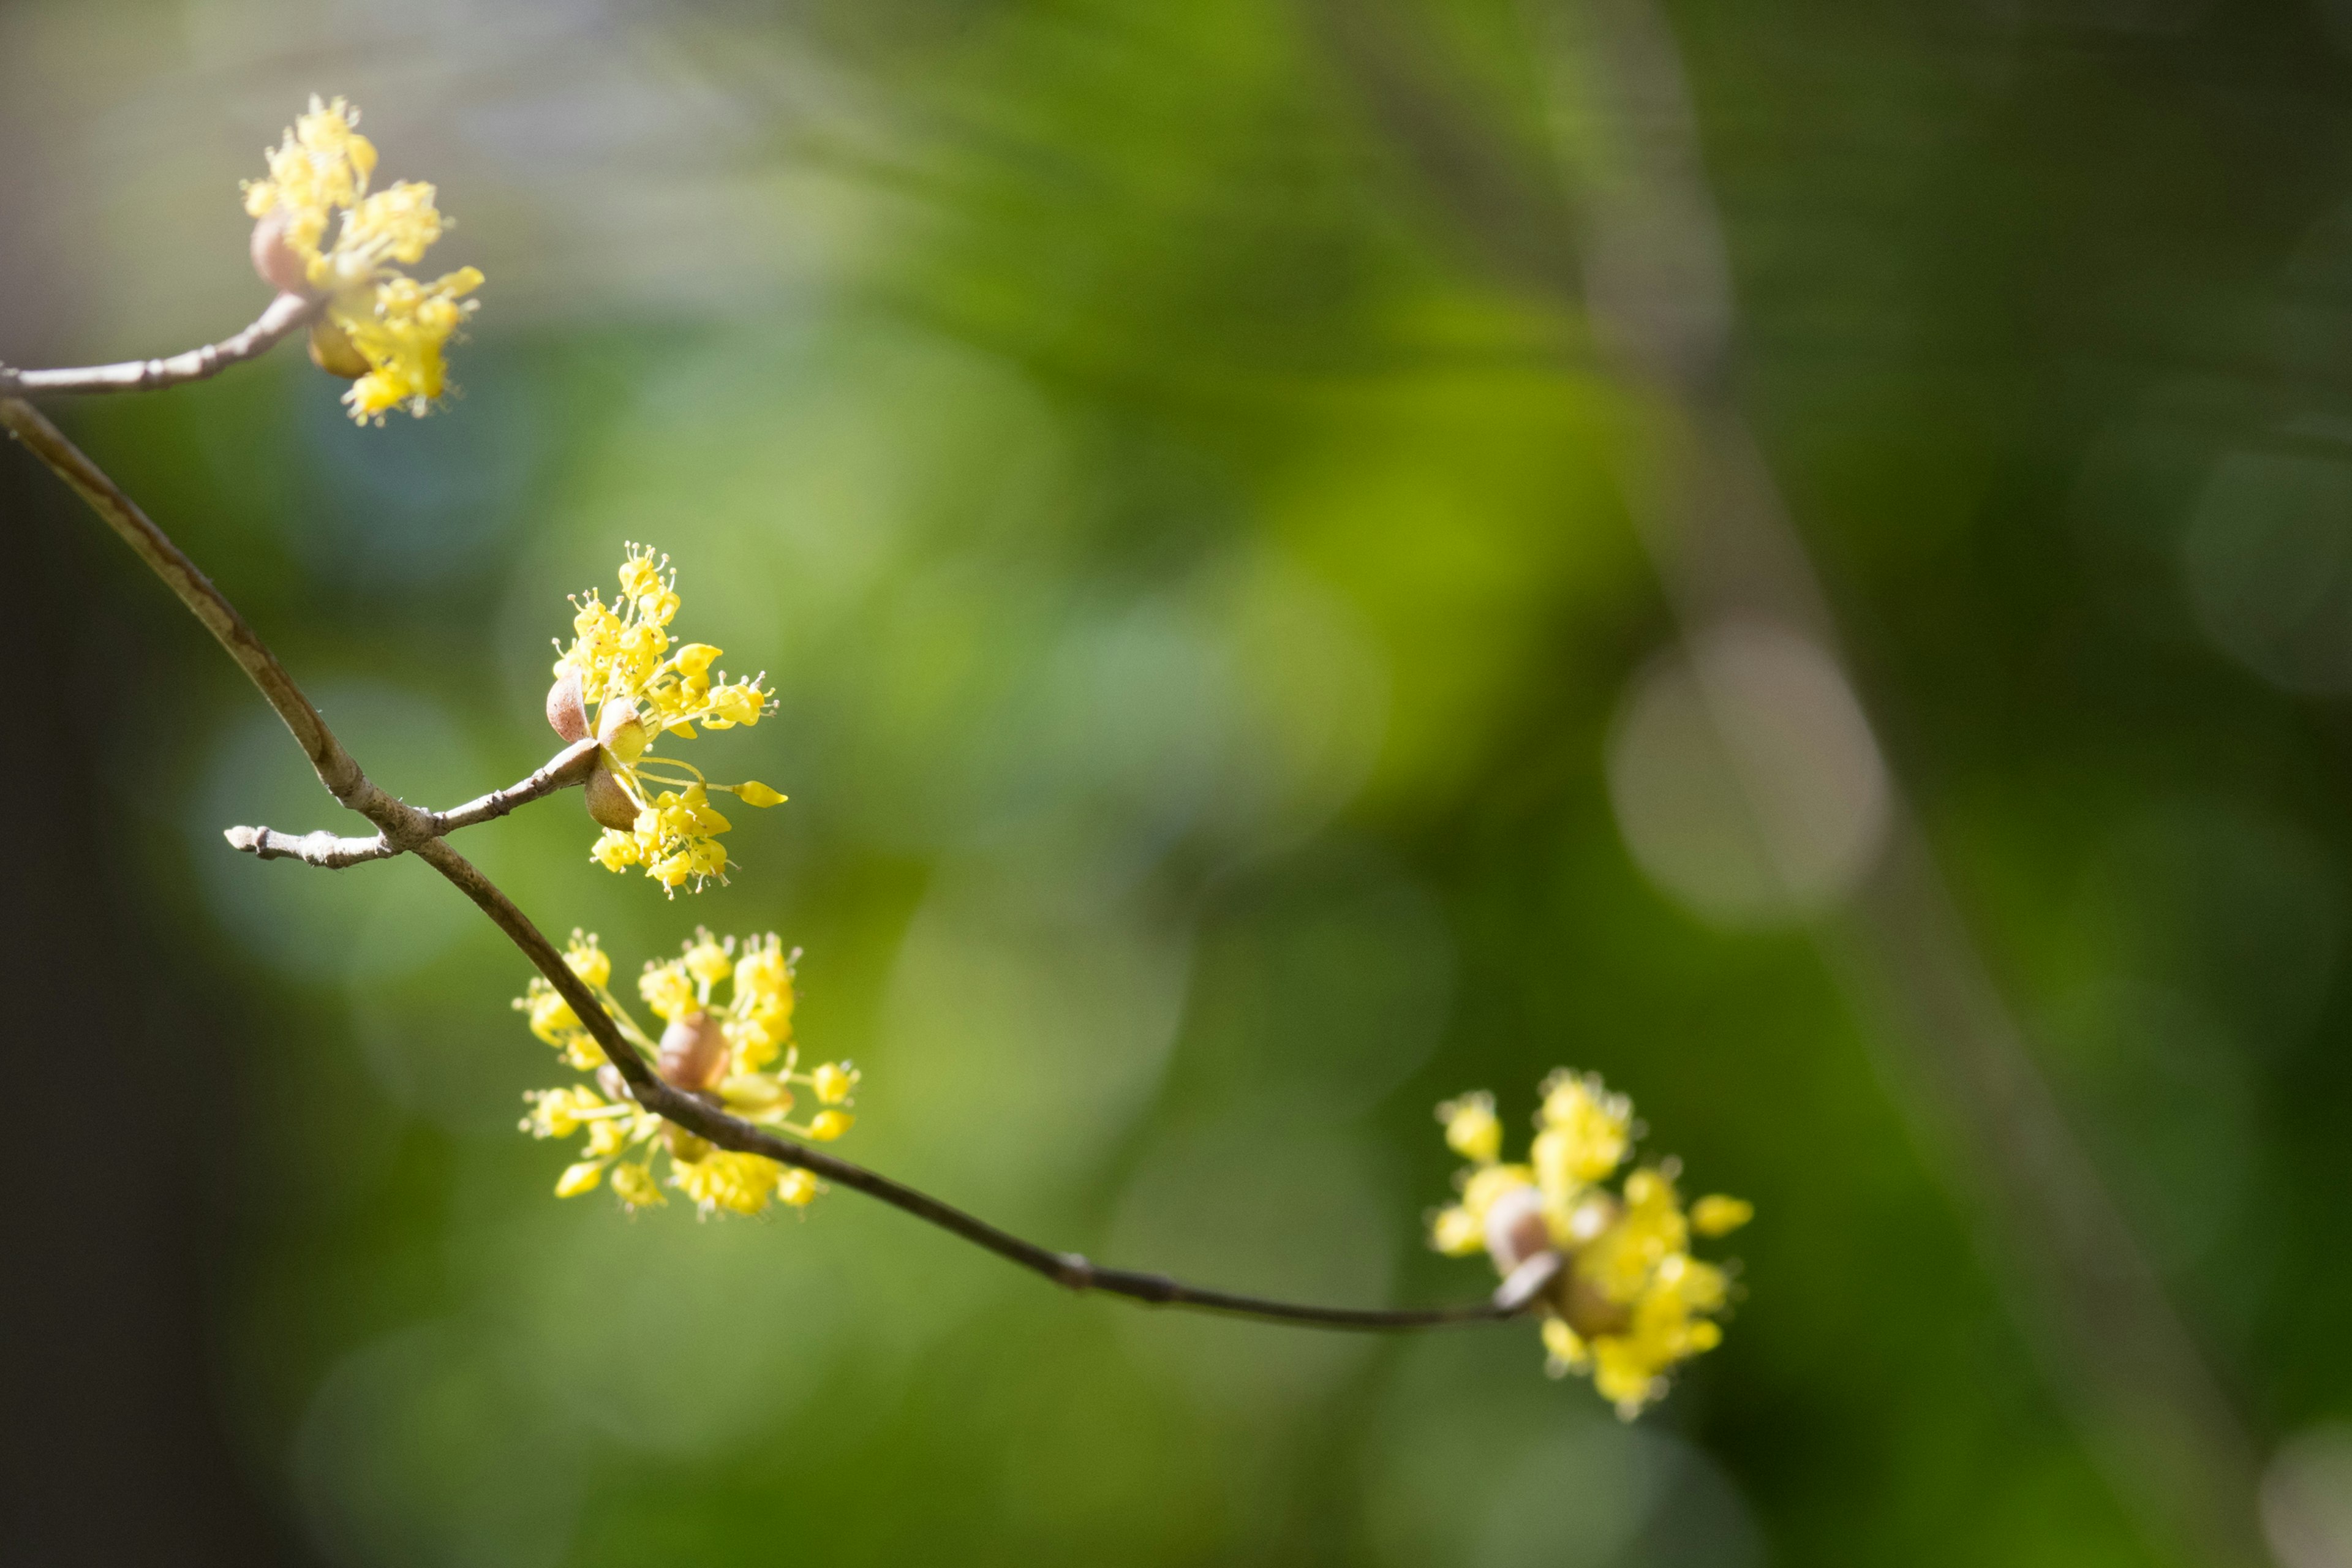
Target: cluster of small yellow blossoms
738,1053
1625,1300
381,330
622,659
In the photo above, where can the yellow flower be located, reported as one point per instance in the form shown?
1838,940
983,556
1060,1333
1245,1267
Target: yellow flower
1567,1350
382,327
623,662
1649,1228
745,986
722,1179
707,961
400,327
765,971
667,990
561,1113
1629,1303
585,959
1472,1129
1455,1232
797,1187
320,169
551,1015
637,1186
1585,1132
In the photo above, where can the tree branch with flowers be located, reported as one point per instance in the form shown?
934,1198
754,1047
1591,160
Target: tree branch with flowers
717,1103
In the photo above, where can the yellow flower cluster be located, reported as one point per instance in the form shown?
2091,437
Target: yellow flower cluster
383,329
1628,1301
622,660
737,1053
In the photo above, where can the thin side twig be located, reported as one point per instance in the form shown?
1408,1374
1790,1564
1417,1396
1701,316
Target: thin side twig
405,828
328,852
286,313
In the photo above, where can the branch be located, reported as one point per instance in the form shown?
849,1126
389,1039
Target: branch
336,769
697,1116
285,313
323,849
404,828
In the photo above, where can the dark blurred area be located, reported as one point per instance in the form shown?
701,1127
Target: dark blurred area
117,1451
1227,707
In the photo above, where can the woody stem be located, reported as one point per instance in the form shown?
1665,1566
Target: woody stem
405,828
286,313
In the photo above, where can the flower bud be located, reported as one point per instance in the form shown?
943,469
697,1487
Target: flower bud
693,1052
608,800
834,1081
1516,1230
331,351
684,1146
275,259
615,1086
565,711
1588,1310
1719,1215
752,1093
580,1178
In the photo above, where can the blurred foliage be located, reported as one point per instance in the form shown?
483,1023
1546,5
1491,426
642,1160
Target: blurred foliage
1199,607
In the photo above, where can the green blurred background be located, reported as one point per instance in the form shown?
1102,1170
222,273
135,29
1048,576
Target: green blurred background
1207,627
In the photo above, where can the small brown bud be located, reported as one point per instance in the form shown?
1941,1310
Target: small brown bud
275,259
693,1053
615,1086
1516,1230
608,800
565,711
333,351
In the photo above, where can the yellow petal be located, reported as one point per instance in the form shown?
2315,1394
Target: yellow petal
754,793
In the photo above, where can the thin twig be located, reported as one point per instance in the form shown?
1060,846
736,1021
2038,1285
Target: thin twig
328,852
286,313
405,828
323,849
